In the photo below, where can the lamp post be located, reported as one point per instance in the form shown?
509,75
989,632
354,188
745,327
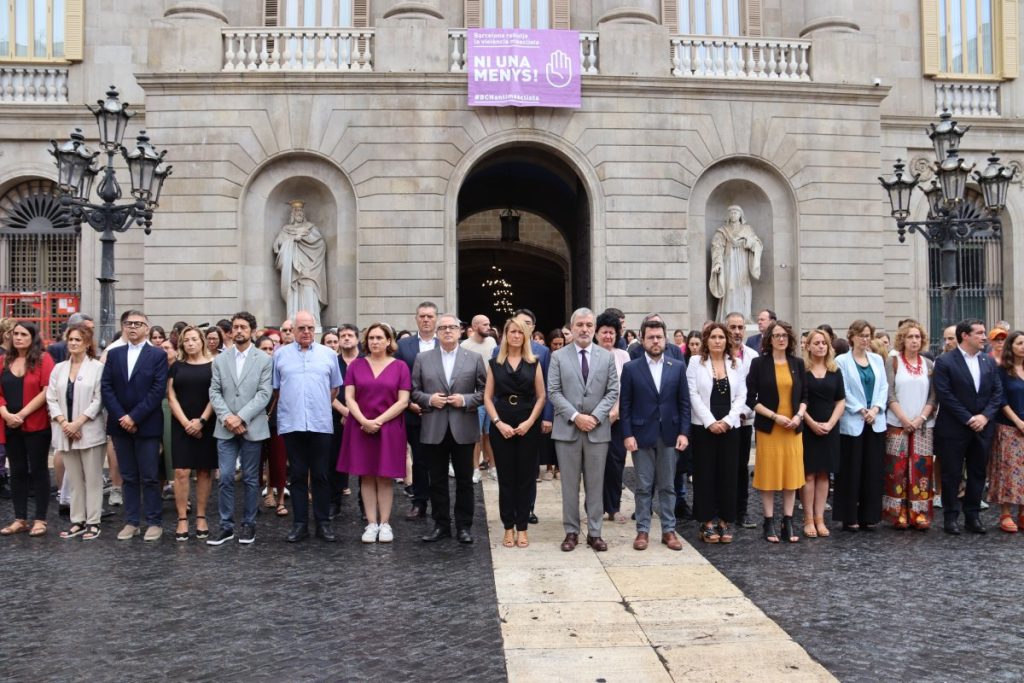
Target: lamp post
946,193
76,171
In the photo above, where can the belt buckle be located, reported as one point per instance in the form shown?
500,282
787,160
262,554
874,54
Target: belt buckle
513,400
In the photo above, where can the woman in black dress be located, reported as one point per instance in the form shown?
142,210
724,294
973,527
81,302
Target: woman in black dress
192,444
514,397
826,400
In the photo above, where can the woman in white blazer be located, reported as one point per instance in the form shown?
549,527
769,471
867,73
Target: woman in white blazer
75,405
718,399
860,479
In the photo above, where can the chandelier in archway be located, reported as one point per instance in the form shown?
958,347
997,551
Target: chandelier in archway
500,290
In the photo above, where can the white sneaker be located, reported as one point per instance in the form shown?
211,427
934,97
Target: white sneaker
494,473
937,502
370,535
451,471
116,498
984,505
476,476
386,534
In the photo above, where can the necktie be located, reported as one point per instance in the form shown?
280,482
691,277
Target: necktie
584,367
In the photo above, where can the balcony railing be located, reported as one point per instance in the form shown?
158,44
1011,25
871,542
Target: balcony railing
741,58
298,49
457,53
967,99
33,84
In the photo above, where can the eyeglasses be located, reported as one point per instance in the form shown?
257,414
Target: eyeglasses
134,323
780,336
447,328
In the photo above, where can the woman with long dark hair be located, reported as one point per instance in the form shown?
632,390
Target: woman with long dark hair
1006,461
23,382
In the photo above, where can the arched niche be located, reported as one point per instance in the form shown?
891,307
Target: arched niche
770,209
329,203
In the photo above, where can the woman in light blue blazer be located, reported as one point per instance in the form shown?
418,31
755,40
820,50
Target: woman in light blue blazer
860,479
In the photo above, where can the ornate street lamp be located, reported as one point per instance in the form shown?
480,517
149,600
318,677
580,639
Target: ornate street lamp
945,193
76,172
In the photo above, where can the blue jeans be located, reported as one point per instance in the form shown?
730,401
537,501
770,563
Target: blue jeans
248,453
139,460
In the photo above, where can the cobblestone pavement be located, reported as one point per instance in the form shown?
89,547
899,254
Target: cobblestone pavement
887,605
119,611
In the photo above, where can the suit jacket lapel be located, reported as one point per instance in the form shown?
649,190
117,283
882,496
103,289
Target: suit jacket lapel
459,360
961,363
440,366
649,376
575,354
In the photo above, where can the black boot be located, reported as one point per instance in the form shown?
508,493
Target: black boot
787,529
768,529
5,491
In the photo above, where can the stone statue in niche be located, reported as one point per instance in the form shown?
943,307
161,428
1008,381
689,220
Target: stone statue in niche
301,256
735,263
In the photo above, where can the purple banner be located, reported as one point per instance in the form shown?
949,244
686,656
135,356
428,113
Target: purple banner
523,68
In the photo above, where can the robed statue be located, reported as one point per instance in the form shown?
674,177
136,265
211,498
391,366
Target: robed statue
735,263
301,256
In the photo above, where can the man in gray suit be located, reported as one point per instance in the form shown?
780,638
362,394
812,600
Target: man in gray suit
448,384
582,386
239,392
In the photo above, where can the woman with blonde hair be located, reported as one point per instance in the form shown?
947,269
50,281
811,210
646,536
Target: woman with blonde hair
76,409
826,400
909,456
513,398
192,444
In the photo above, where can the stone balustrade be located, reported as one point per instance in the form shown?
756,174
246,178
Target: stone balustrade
457,52
967,99
33,84
298,49
746,58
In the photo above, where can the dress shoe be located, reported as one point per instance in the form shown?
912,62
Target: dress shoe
326,533
672,541
532,519
570,542
746,523
463,536
640,542
437,533
597,543
299,532
416,512
128,532
974,525
952,527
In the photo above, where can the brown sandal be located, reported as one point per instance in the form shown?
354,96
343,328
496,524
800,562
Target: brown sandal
522,541
810,530
38,528
269,501
18,526
509,540
282,511
819,524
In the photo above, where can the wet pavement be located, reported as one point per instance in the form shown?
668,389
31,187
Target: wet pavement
109,610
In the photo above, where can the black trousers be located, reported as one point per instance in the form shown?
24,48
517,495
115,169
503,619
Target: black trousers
860,479
461,457
743,469
614,465
516,460
338,480
714,474
27,455
309,456
953,458
420,464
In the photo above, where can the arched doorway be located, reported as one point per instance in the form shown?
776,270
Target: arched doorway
548,267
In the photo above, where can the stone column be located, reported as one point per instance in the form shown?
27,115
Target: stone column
840,52
188,37
412,35
631,39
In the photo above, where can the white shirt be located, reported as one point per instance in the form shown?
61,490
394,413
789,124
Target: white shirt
240,357
973,366
134,350
448,363
745,356
425,345
656,366
579,350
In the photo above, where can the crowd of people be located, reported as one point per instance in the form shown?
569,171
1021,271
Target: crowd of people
886,425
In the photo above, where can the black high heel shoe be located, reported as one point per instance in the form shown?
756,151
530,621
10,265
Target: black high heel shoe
787,529
768,529
182,535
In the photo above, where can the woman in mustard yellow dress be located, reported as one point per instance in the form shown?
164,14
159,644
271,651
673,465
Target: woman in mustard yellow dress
777,393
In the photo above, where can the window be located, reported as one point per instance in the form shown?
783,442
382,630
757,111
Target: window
975,39
41,30
553,14
712,17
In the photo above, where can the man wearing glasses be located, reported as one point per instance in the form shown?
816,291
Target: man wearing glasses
133,386
287,332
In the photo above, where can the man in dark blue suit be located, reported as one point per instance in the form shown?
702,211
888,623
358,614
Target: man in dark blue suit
424,340
133,386
970,392
654,405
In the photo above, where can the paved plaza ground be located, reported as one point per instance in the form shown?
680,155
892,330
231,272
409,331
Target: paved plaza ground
867,607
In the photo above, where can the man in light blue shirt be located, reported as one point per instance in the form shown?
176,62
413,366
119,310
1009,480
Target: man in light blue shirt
306,381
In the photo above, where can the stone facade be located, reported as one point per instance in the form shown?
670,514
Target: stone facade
642,172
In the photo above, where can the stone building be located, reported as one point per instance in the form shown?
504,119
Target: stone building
790,108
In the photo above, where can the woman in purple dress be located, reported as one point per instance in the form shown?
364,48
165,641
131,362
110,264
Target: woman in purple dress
376,392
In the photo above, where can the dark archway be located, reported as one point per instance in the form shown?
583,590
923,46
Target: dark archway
532,180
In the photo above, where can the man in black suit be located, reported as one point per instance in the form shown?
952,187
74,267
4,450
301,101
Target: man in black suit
970,392
408,349
764,317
